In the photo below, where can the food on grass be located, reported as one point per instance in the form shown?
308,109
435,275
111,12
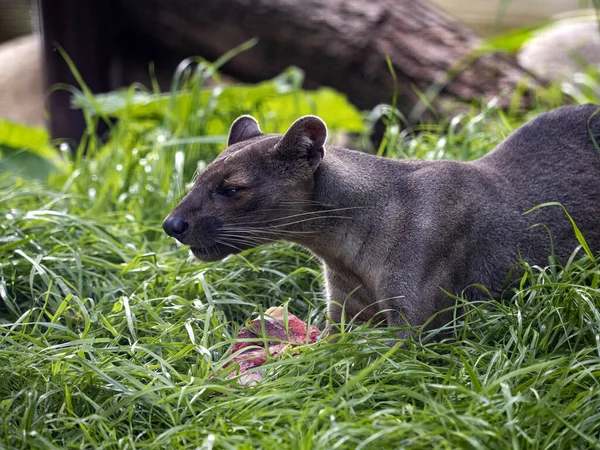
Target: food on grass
283,331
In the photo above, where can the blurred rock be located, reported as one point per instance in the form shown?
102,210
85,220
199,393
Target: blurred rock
488,17
21,91
567,46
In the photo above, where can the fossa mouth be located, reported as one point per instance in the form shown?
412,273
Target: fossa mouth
213,252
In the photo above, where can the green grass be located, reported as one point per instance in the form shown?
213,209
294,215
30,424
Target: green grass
112,337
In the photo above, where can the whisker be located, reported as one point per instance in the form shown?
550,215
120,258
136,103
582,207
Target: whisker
305,202
228,244
238,234
317,212
246,240
322,212
261,230
242,239
205,249
308,220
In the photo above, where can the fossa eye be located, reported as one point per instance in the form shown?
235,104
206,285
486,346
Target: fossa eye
223,192
229,193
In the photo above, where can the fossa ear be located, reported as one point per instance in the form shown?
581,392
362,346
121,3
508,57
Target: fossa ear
242,129
304,139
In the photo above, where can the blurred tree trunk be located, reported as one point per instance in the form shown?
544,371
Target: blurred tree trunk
340,43
83,31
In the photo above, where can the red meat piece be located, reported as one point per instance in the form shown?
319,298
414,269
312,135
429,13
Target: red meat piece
279,339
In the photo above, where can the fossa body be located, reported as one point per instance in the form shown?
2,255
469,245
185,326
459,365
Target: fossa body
393,235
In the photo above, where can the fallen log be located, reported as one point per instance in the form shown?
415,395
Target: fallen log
340,43
344,44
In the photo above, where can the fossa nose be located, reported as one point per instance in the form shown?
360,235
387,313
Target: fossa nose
176,226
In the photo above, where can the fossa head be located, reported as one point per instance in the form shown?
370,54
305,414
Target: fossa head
249,194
